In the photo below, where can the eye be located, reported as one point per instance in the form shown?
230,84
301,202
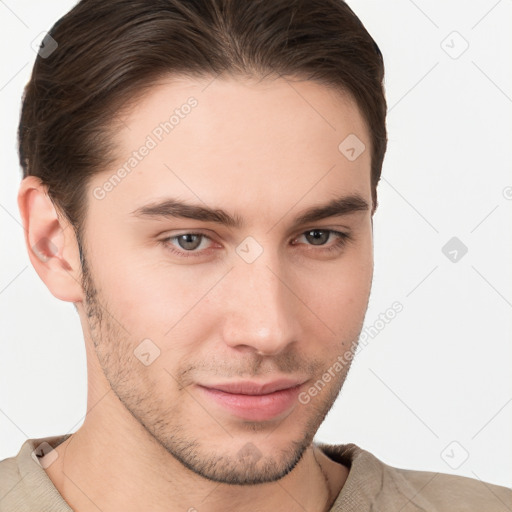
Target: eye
319,238
188,242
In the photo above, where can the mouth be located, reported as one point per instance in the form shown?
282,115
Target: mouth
254,401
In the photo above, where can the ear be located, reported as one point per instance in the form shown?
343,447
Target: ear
51,241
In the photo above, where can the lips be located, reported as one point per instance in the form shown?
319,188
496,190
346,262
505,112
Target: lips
254,401
255,388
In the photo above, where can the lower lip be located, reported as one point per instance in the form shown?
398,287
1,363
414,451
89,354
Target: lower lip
254,407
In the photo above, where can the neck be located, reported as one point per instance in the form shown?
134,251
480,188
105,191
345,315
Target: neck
109,473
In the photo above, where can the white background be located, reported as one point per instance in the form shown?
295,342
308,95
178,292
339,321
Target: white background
434,385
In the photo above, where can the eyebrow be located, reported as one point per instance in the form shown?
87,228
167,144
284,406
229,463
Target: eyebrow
174,208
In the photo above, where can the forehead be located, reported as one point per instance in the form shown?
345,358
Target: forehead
239,142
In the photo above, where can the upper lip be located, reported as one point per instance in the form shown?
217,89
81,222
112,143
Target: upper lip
255,388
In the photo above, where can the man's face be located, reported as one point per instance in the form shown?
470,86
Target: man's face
180,306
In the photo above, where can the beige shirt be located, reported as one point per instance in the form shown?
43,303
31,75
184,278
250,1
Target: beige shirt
371,485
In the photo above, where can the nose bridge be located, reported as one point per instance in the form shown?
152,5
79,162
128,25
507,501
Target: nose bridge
262,312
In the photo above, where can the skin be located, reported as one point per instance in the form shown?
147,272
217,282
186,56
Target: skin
264,151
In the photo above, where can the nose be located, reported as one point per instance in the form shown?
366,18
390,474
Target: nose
262,313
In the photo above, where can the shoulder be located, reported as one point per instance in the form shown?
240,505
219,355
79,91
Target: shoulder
374,483
24,484
10,478
455,492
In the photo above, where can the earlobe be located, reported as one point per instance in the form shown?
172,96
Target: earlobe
50,241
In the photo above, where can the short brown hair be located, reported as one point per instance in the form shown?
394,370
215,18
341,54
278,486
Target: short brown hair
111,51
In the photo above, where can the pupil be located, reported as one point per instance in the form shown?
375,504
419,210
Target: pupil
319,236
188,239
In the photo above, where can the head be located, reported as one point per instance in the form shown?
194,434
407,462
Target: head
199,180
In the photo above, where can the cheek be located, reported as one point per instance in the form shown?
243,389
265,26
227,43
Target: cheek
341,302
160,301
135,295
340,297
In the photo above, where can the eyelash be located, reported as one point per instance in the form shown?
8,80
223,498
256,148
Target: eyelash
343,239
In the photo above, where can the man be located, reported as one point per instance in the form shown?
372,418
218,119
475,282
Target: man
200,179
